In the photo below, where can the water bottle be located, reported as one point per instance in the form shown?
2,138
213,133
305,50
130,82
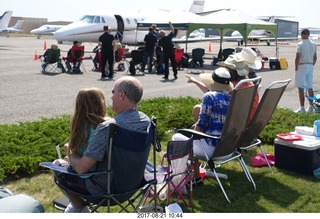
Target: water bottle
316,128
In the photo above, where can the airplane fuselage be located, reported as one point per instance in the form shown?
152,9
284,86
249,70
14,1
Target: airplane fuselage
46,29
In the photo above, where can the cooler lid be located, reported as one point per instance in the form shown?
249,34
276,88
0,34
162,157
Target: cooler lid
306,143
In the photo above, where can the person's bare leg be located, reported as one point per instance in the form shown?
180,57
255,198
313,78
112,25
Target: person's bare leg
301,96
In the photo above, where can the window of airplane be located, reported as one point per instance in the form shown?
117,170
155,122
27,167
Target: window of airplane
128,21
96,19
87,19
135,20
102,20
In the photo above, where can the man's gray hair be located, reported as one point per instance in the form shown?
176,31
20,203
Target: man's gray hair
132,88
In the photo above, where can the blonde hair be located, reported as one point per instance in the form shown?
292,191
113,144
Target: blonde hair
90,111
54,46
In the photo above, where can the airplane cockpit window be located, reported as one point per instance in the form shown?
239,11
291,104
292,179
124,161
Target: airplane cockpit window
135,20
128,21
102,20
96,19
87,19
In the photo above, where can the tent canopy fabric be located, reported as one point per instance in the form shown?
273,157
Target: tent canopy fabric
232,19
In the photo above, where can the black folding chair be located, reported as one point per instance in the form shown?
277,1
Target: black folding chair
127,156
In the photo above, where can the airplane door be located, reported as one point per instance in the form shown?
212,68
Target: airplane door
120,28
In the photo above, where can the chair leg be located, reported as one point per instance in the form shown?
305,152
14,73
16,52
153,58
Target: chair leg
220,184
265,157
246,171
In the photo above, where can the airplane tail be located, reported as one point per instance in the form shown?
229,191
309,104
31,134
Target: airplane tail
197,6
18,25
4,19
272,19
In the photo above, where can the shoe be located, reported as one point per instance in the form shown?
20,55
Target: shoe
196,182
165,78
310,109
175,76
300,110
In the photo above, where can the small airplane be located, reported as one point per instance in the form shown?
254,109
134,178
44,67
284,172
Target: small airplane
47,29
90,26
262,35
17,28
4,20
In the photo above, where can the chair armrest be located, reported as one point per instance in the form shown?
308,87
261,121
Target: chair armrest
67,170
196,134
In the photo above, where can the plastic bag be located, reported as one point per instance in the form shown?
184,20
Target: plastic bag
260,161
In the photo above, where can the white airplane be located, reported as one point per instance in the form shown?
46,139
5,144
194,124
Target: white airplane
47,29
4,20
17,28
90,26
262,35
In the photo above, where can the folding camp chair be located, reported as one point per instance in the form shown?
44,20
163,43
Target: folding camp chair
314,101
51,61
262,116
178,56
197,61
226,52
135,64
172,178
235,123
76,59
127,156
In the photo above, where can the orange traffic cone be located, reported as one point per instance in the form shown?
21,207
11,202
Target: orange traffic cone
35,55
44,45
210,49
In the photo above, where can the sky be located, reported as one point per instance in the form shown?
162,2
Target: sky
306,12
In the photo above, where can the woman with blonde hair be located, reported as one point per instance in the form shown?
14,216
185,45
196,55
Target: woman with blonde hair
90,111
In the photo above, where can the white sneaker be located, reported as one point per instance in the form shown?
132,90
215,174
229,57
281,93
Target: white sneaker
300,110
310,109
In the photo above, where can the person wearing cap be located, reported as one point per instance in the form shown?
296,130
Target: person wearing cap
107,42
212,114
306,58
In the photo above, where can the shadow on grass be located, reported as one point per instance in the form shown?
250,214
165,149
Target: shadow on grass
271,194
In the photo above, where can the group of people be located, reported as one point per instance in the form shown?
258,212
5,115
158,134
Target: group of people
160,45
86,147
72,60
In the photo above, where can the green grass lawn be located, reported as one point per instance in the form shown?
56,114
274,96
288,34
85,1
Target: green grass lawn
23,146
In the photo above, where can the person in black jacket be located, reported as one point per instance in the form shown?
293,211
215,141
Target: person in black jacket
107,42
168,52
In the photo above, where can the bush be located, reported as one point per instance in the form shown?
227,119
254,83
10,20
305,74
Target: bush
24,145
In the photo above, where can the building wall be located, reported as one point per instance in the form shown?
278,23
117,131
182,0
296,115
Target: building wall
33,23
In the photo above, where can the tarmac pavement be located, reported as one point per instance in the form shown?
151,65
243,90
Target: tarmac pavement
27,95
